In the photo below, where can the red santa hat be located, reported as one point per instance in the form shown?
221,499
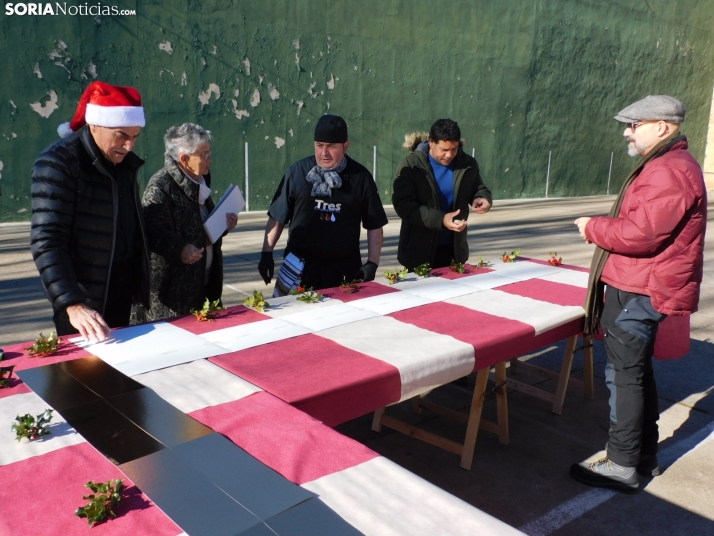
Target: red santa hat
105,105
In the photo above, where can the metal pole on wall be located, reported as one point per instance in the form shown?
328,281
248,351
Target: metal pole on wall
547,176
609,173
247,187
374,164
473,152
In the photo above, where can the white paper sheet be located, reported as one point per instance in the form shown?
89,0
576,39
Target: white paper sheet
148,347
254,334
565,276
11,450
385,304
335,314
197,385
232,202
290,305
523,270
541,315
486,281
438,289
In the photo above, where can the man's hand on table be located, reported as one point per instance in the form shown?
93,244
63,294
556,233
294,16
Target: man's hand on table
582,224
88,322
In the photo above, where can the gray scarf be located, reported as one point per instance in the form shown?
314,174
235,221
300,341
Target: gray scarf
325,179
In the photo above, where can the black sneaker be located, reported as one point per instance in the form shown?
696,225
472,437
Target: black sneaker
649,466
605,474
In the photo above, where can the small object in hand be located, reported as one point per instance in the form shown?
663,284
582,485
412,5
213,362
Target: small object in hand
31,427
457,267
209,310
395,275
256,301
351,287
307,295
102,501
512,257
554,260
482,263
44,346
423,270
5,375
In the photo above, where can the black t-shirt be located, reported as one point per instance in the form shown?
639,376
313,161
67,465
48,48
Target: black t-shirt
327,229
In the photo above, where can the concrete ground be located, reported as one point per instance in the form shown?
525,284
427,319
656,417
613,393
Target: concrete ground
526,484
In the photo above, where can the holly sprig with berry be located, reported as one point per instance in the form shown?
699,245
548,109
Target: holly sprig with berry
44,346
32,427
457,267
256,301
208,312
351,287
102,501
423,270
512,257
306,295
482,263
395,275
554,260
5,375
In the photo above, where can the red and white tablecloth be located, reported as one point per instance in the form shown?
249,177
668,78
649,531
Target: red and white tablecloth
275,382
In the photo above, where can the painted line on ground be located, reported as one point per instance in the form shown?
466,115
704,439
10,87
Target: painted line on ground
583,503
239,291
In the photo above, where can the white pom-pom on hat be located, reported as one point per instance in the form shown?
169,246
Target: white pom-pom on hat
64,130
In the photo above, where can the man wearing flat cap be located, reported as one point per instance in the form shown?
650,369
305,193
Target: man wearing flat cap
324,198
650,254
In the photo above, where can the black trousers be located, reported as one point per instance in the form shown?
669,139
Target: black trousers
630,324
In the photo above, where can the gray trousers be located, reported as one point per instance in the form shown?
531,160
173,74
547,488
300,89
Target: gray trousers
630,324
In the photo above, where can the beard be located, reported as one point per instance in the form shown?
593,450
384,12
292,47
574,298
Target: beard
633,149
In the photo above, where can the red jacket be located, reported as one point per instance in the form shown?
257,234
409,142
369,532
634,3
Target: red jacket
656,243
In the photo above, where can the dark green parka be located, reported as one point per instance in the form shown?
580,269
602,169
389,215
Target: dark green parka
416,202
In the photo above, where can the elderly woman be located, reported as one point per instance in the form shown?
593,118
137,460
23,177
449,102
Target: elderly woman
186,268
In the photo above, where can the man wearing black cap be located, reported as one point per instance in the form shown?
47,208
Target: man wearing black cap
650,254
324,198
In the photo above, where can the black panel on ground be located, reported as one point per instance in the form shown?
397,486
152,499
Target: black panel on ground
158,418
100,377
56,387
258,530
108,431
189,499
310,518
256,486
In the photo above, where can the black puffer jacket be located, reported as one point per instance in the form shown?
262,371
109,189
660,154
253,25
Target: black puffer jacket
75,207
173,219
416,202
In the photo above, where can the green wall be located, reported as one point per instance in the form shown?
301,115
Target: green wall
522,78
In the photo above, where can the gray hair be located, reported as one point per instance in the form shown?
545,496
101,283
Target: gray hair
185,139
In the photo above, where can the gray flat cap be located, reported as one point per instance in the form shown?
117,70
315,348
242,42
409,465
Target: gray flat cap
654,108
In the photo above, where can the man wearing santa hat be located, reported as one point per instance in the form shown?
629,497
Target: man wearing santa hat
87,234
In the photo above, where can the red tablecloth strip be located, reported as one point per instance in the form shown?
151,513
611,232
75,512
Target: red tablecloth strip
565,266
547,291
233,316
15,386
17,355
291,442
40,495
365,290
325,380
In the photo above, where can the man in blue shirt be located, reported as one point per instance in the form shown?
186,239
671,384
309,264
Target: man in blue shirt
434,187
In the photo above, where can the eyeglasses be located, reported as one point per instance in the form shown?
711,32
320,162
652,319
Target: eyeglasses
633,126
205,155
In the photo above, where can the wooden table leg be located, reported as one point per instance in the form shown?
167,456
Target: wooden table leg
474,418
564,374
416,408
502,404
588,369
377,420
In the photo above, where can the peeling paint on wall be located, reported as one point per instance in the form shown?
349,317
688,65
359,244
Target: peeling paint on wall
183,79
331,82
46,109
239,113
300,105
255,99
205,96
246,62
92,70
37,71
279,142
58,52
273,92
166,47
1,166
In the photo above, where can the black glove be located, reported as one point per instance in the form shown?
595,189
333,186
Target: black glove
266,266
366,271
